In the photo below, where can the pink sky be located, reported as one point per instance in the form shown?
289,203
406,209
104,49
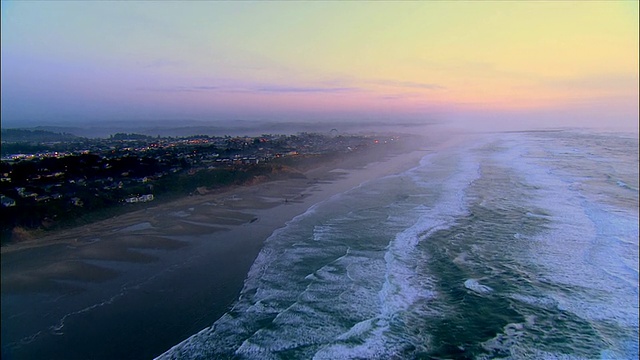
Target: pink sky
518,64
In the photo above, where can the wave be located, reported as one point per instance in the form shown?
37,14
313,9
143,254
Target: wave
501,248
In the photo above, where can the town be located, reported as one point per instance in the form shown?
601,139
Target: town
50,180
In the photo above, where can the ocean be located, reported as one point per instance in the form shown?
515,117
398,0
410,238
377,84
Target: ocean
514,246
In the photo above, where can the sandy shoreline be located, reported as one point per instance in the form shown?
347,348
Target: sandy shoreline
165,218
188,258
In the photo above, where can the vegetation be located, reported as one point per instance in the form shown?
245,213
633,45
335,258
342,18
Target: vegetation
34,136
90,180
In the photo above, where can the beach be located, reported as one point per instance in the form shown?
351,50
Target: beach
136,284
511,245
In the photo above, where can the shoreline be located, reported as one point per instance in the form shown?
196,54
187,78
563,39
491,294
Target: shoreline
187,259
40,237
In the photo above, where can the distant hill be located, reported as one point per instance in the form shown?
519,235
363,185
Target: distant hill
132,136
182,128
34,136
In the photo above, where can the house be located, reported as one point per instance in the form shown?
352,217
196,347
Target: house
42,198
28,194
131,200
250,160
7,201
141,198
145,198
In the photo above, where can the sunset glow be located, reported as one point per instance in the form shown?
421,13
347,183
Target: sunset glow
295,60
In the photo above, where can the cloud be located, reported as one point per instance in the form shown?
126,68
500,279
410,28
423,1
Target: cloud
254,88
205,87
408,84
302,89
336,85
603,81
170,89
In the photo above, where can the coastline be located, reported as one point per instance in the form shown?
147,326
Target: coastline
187,257
309,172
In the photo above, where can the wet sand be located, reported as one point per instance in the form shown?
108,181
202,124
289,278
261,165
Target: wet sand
132,286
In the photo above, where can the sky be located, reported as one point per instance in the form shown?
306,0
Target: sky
478,63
